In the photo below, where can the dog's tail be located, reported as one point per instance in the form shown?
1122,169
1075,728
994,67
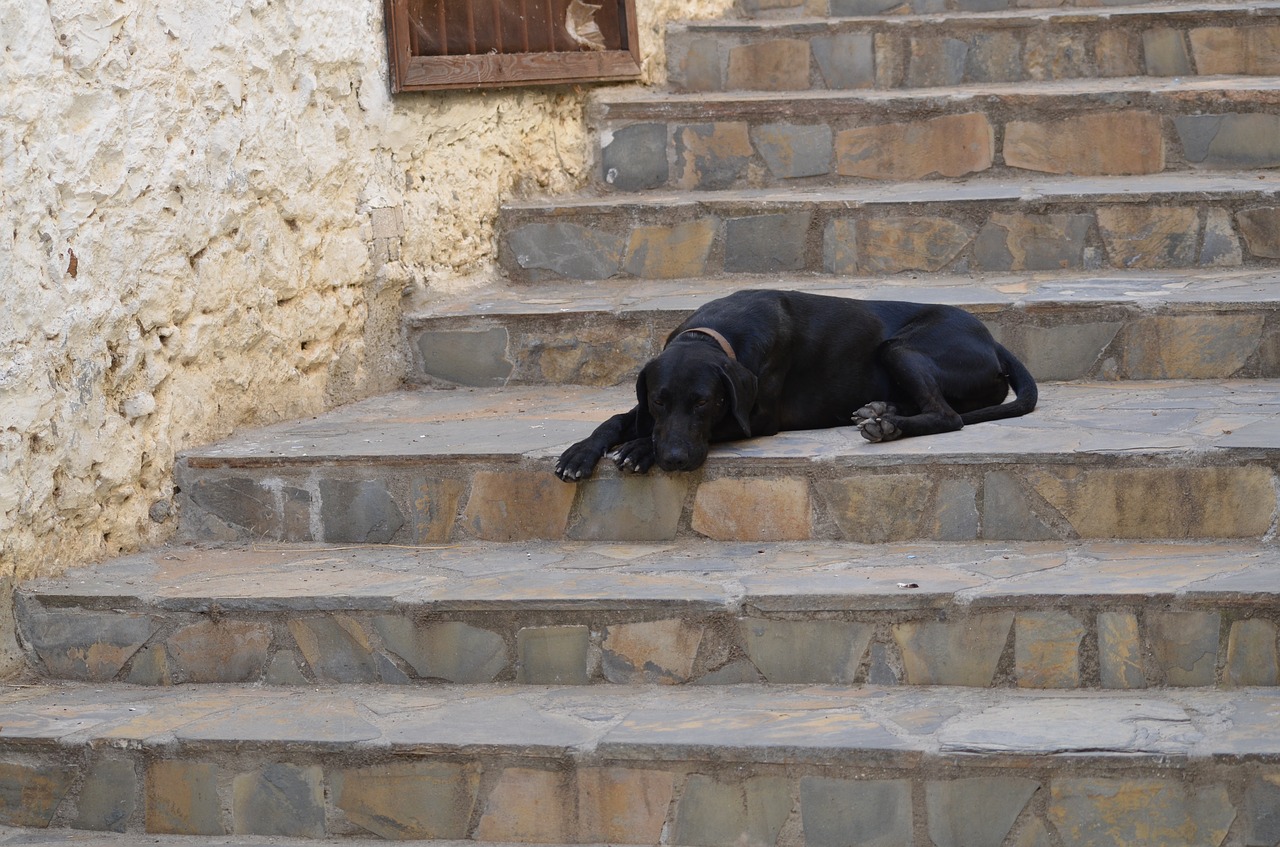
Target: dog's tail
1023,385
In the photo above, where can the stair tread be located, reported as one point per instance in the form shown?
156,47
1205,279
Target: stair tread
814,101
1073,13
1175,418
1034,187
806,724
692,575
1245,288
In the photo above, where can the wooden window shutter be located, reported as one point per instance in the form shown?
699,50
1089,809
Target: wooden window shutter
436,44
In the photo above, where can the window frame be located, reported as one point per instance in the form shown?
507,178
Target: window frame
495,70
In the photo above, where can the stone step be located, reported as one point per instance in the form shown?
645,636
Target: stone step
794,9
1023,45
1010,614
1126,325
1166,220
1136,460
681,765
1113,127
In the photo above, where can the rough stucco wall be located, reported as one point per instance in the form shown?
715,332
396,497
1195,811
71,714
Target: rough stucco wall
210,209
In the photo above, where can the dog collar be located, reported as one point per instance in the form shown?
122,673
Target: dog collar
719,339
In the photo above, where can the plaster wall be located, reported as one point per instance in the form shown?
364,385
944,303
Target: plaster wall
211,210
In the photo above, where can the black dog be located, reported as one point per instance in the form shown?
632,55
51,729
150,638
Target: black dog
759,362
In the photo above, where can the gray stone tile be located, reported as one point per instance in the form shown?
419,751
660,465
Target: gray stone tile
628,508
466,358
821,651
358,511
570,250
950,806
552,655
74,644
108,796
1165,52
846,60
634,158
792,151
711,813
1241,141
1261,812
766,243
453,651
280,799
839,812
1007,512
957,651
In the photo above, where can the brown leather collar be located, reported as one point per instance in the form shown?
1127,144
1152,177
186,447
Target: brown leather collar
720,339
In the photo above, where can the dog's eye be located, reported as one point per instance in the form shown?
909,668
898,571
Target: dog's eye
701,404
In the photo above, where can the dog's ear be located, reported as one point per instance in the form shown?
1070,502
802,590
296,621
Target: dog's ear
644,420
740,386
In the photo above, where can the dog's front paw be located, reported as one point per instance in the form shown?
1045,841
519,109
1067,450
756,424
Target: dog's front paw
634,456
873,421
578,462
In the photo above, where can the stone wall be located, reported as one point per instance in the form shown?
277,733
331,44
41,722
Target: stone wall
210,211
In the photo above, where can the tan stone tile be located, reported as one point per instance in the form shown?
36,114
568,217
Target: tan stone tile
1046,650
182,798
1230,50
1160,502
222,651
1095,144
518,506
857,505
30,794
710,156
957,651
1150,236
435,509
949,146
1261,230
671,252
281,799
778,65
651,651
409,800
753,509
1118,811
894,244
1252,657
1189,346
527,805
623,805
1118,53
1120,651
1185,646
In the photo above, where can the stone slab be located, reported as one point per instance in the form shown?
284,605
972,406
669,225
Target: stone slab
523,759
703,612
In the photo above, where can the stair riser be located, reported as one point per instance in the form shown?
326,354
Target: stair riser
845,238
917,53
765,498
634,796
1056,342
806,144
1125,641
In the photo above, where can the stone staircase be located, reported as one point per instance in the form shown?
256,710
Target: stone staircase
392,621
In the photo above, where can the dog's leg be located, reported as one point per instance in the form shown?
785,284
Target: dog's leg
870,420
915,375
635,456
579,461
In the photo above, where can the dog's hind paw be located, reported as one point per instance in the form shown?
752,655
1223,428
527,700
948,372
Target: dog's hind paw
872,421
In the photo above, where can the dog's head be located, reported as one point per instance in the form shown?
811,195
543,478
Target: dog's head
688,393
